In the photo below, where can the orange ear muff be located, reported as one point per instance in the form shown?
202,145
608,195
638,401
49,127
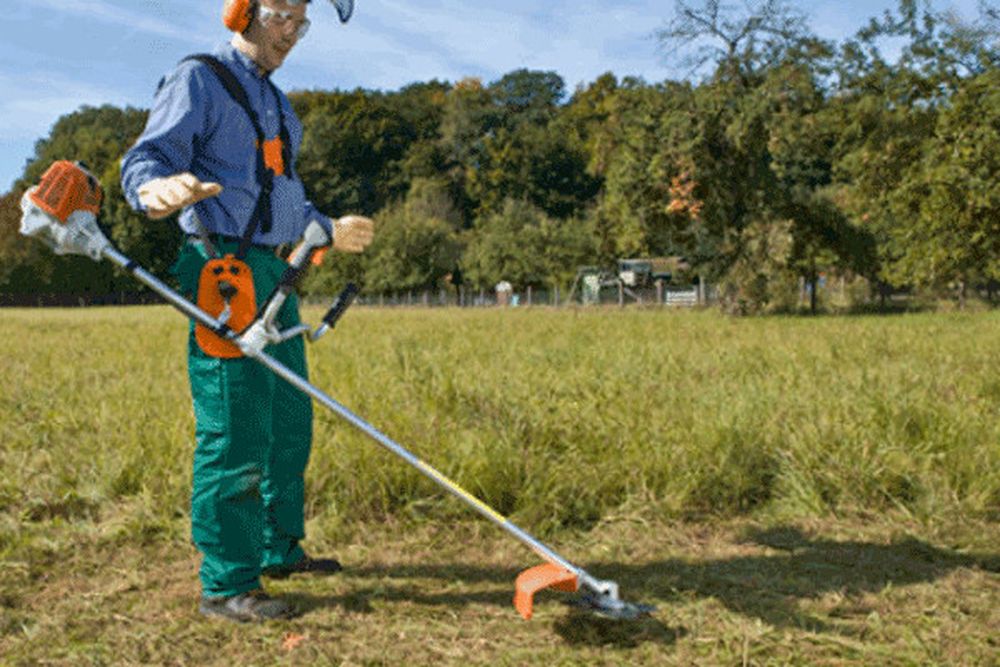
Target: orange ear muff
237,14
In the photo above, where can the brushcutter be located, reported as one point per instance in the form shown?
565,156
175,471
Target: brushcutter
62,211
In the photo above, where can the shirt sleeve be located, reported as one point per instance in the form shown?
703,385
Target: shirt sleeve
166,146
312,213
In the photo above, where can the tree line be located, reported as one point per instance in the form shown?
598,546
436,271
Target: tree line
782,158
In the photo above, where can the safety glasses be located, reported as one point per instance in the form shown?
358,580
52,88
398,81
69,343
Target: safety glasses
282,19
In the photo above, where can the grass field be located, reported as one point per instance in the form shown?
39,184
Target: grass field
786,490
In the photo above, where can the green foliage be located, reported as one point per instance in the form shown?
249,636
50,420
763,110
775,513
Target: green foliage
950,199
417,244
352,147
533,163
524,246
760,279
526,96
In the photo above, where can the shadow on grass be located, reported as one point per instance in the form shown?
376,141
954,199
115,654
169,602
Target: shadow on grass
769,586
576,627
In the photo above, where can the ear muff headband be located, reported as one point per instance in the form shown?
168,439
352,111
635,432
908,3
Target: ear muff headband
237,14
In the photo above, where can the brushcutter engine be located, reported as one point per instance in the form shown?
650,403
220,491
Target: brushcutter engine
62,210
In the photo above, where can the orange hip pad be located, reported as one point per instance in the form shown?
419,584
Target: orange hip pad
219,278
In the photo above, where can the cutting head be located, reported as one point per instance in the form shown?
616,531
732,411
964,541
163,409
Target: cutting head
600,597
611,607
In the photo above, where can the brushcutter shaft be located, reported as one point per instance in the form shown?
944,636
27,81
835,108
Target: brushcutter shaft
164,290
320,396
436,476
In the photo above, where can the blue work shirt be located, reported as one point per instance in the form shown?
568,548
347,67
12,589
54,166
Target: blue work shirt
196,126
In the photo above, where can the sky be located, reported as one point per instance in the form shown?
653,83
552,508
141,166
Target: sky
58,55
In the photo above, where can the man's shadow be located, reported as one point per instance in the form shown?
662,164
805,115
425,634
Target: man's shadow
769,587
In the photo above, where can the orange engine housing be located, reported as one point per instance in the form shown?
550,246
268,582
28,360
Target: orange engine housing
67,187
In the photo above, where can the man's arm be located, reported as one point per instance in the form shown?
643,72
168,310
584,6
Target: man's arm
156,176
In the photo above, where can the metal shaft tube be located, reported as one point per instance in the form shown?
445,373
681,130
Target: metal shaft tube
161,288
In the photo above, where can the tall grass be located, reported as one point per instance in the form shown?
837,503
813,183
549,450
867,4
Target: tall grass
556,417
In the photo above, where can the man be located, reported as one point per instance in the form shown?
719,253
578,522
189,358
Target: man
201,153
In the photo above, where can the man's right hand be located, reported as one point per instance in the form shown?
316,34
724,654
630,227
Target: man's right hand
163,196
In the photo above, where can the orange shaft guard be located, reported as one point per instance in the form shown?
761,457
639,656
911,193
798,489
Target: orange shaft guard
535,579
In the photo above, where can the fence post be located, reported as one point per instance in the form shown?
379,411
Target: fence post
529,295
621,294
659,291
555,296
701,291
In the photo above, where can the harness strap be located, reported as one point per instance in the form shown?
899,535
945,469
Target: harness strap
262,215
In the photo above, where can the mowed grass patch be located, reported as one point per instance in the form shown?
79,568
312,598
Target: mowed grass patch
728,592
787,490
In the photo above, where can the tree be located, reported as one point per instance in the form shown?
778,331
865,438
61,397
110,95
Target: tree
470,116
521,244
887,117
352,148
527,96
536,163
948,203
416,245
741,44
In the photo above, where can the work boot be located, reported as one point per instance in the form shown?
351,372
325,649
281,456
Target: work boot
255,605
308,565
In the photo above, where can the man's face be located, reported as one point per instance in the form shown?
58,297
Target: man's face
276,31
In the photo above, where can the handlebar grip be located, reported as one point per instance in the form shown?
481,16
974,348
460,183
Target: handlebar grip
340,304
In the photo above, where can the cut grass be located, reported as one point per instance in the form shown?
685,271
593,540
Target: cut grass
732,592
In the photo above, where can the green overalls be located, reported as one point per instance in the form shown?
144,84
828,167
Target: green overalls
253,433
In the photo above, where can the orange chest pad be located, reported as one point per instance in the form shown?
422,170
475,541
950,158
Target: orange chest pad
274,156
219,277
